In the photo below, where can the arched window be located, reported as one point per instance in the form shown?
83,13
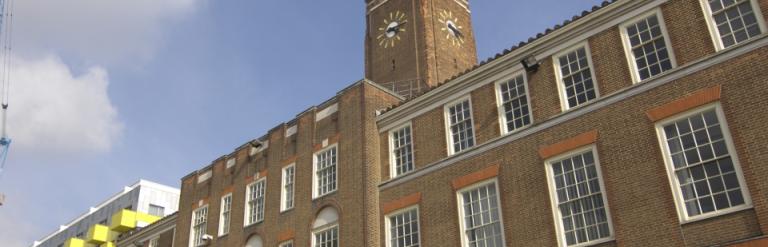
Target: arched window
254,241
325,229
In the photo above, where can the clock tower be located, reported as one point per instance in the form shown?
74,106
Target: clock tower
411,45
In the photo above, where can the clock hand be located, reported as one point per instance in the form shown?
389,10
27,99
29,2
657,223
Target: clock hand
456,31
396,29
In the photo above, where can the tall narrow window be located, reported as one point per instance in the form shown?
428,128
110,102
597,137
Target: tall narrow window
402,151
579,204
733,21
325,228
461,134
707,177
578,86
286,201
403,228
648,46
255,203
225,216
154,242
199,220
481,216
325,172
514,108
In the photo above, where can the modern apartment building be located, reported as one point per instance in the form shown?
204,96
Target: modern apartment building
635,123
135,206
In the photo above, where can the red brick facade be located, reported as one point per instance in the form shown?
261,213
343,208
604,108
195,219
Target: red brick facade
620,124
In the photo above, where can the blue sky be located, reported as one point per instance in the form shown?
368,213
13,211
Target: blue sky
108,92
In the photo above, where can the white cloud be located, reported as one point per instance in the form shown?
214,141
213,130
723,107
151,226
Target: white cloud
96,31
55,111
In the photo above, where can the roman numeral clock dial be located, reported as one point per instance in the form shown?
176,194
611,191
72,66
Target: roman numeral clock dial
451,28
389,32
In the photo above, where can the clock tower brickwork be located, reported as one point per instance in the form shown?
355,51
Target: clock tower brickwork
425,51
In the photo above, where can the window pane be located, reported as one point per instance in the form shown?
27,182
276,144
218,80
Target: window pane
735,21
577,78
402,151
404,229
515,103
460,125
482,223
707,170
325,174
583,210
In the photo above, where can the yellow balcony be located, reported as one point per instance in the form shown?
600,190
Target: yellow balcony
74,242
123,221
143,219
98,234
108,244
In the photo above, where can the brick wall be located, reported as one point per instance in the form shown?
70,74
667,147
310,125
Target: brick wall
636,183
351,128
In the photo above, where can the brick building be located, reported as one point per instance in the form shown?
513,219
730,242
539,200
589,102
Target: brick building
637,123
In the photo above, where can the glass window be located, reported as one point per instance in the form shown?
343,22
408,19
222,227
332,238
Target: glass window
327,237
255,195
516,112
287,244
288,180
402,151
735,21
325,172
581,209
706,175
199,220
648,47
481,217
224,218
460,126
154,242
576,77
404,229
156,210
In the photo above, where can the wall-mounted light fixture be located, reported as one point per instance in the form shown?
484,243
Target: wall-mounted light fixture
531,64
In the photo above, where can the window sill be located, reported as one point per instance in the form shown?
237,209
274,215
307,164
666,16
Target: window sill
325,195
595,242
285,211
253,224
716,214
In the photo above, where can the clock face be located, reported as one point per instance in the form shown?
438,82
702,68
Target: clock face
451,28
389,32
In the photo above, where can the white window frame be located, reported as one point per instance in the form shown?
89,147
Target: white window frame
712,26
284,192
326,228
674,184
264,202
315,178
154,242
628,46
460,209
388,223
392,158
559,76
286,243
222,225
192,238
447,121
500,102
555,204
